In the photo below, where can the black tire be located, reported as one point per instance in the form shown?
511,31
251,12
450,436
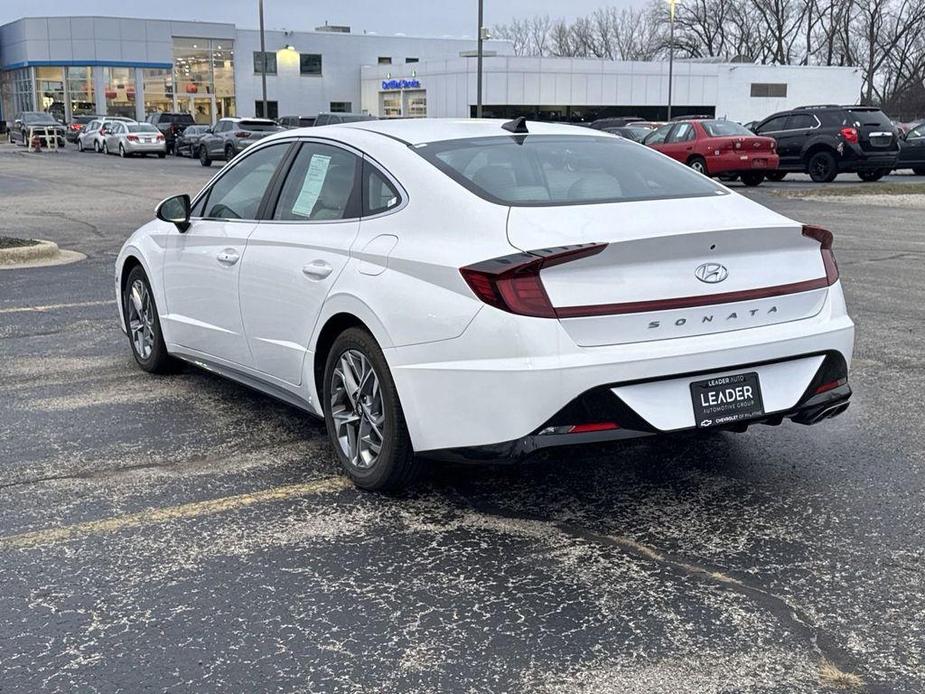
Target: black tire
80,145
105,147
229,152
204,156
96,146
122,151
776,175
395,466
919,172
698,164
752,178
822,167
158,360
870,175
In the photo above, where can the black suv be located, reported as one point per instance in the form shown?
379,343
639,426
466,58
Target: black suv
171,125
825,141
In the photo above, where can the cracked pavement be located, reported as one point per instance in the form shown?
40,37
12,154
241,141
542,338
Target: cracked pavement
184,533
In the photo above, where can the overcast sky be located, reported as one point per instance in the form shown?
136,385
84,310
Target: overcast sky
413,17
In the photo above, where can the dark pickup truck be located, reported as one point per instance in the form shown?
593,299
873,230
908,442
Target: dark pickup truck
171,125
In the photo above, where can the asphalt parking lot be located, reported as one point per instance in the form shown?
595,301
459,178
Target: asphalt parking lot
185,533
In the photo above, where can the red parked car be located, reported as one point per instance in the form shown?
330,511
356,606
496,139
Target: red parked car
717,148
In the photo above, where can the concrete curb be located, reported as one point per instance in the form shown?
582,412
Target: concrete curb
42,254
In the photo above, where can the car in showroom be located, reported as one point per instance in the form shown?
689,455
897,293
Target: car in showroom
186,143
827,140
129,139
912,150
93,135
717,148
480,290
230,136
23,123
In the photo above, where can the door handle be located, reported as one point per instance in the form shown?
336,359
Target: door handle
228,257
317,269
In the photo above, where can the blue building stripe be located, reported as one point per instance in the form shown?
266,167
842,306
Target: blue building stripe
87,63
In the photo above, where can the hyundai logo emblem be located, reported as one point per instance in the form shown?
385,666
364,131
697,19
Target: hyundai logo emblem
711,273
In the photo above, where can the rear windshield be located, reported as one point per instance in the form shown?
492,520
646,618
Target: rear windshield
177,118
871,118
141,128
564,170
724,128
306,122
257,126
38,118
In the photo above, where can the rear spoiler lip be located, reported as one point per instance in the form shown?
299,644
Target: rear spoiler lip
684,302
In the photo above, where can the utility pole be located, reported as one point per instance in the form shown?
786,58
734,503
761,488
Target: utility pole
263,62
478,88
670,53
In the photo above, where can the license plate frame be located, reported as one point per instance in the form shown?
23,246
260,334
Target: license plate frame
723,400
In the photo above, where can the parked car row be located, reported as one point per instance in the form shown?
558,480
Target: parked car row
822,141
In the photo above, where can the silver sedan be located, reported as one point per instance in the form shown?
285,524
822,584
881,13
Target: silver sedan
134,138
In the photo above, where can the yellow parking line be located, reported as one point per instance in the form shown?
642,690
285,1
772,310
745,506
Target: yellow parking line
162,515
52,307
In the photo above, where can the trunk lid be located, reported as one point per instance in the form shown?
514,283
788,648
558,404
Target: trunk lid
875,130
644,284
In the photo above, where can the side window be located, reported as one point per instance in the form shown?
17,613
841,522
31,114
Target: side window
800,121
683,133
773,125
320,185
238,193
916,133
658,136
379,195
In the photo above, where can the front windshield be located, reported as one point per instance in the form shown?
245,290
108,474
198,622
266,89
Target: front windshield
725,128
563,170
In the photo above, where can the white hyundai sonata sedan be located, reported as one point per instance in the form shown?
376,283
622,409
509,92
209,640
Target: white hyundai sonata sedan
478,290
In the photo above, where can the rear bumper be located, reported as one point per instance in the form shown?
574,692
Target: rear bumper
856,159
142,148
505,377
812,409
741,161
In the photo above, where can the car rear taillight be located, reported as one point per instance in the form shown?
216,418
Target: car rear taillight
132,138
824,237
512,283
242,133
831,385
850,135
160,137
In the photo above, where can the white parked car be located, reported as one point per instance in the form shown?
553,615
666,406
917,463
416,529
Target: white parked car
93,136
475,290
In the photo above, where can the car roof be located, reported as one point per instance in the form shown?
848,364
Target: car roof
416,131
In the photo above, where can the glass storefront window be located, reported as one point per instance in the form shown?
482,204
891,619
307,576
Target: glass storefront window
158,90
50,88
204,78
120,91
16,90
80,91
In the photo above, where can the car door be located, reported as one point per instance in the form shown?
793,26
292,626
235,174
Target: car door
912,153
201,265
679,145
295,256
776,127
214,141
112,137
792,141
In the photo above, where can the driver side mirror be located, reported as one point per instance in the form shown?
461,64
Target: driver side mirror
175,210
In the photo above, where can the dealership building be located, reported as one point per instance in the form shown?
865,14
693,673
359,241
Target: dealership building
124,66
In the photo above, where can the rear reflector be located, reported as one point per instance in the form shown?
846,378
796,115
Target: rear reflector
831,385
597,426
512,283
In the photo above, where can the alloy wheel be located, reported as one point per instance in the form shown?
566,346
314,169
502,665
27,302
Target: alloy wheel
356,407
141,319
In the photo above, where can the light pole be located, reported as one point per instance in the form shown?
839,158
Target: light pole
263,62
670,52
478,79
